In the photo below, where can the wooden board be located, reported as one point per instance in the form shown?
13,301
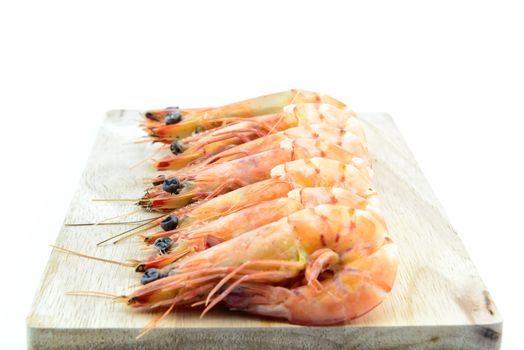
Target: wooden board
438,302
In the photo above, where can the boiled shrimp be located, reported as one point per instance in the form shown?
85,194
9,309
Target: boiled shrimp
225,177
313,172
213,141
345,138
193,148
202,236
318,266
176,123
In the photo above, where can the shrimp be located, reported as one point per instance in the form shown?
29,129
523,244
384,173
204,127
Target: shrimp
283,182
220,178
303,136
352,291
216,140
318,266
199,237
344,138
284,178
191,149
176,123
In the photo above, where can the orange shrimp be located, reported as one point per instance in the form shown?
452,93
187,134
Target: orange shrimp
220,178
176,123
303,136
191,149
208,143
199,237
295,174
318,266
353,291
345,138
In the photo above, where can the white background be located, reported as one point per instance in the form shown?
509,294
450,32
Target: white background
450,72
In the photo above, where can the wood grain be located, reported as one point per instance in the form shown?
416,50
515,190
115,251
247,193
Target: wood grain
438,302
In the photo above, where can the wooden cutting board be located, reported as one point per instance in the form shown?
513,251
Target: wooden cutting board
438,301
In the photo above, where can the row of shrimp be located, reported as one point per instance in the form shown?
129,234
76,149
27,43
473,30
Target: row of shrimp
267,207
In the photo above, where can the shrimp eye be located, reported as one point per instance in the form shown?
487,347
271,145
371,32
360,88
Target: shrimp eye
151,116
151,275
171,185
163,244
159,180
169,223
176,147
173,118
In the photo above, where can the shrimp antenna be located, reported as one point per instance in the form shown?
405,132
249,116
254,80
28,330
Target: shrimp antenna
108,223
132,229
152,325
143,141
294,97
145,160
95,294
133,234
273,128
121,215
131,263
104,221
115,200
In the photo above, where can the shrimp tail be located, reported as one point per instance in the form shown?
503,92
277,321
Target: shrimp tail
367,278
